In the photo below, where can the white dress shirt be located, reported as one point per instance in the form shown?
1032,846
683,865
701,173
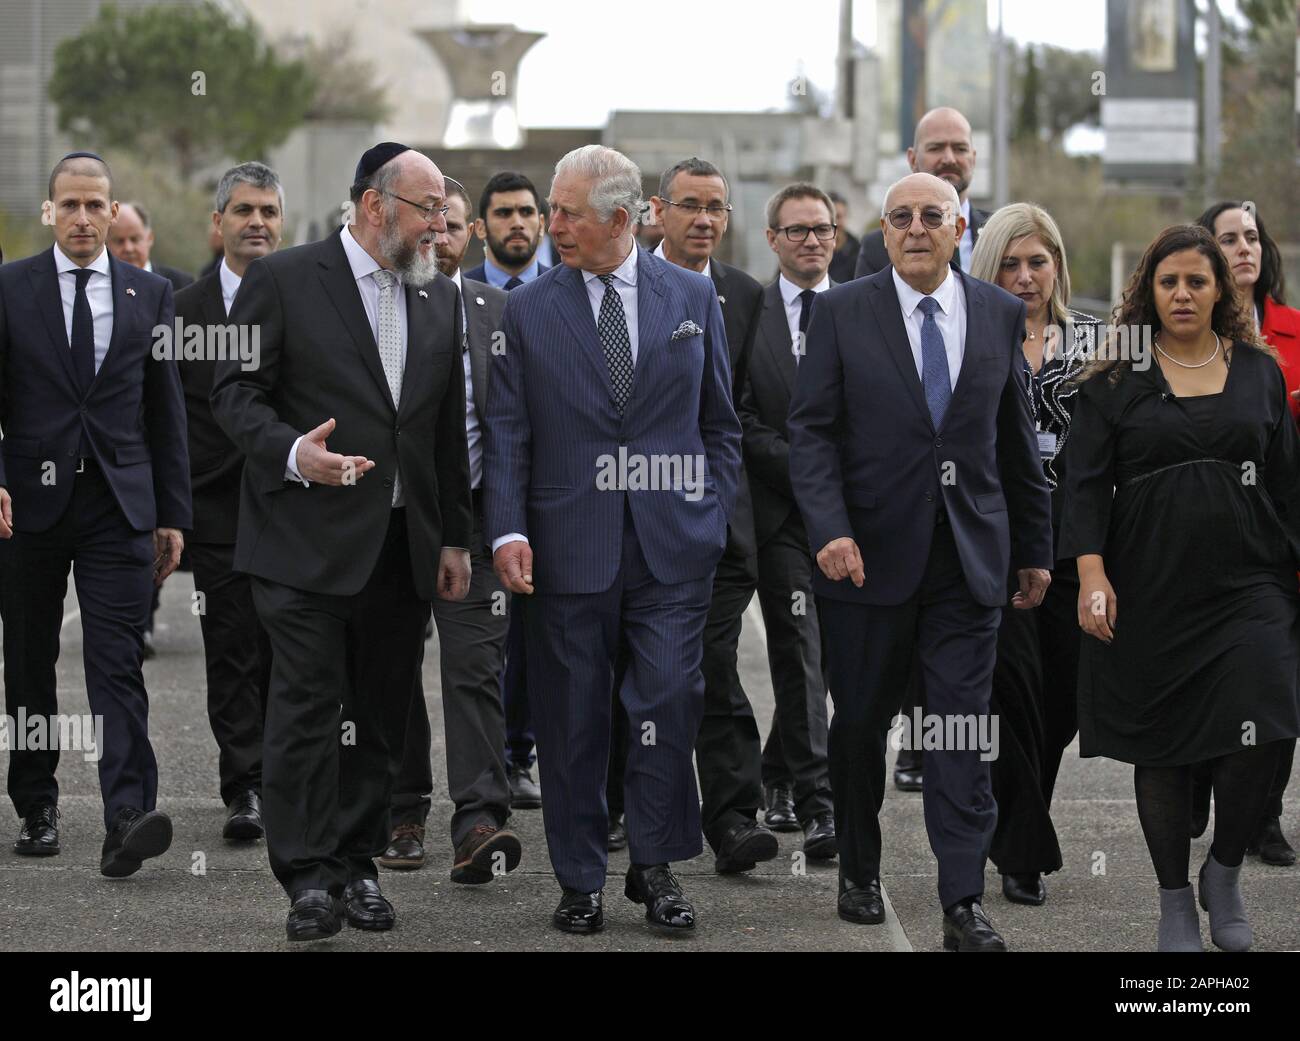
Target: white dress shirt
625,286
99,293
967,244
363,268
471,413
659,252
790,297
229,284
951,319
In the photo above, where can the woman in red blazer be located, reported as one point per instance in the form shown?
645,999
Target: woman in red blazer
1257,270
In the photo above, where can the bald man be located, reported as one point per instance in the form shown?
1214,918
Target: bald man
941,146
131,240
354,513
915,465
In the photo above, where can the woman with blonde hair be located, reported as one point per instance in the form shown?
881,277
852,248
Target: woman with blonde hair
1034,680
1183,503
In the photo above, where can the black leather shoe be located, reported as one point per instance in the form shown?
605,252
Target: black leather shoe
617,835
743,847
780,809
907,779
405,850
314,915
1024,889
134,838
819,838
244,824
1270,844
39,836
967,928
366,906
665,904
579,912
525,794
1202,789
861,905
484,853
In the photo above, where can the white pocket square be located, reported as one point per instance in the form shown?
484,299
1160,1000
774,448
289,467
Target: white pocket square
686,330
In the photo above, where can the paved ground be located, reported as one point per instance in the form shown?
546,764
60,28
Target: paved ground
206,895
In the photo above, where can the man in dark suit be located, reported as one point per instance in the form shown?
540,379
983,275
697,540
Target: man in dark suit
131,240
941,146
845,257
915,465
94,477
471,637
613,457
360,346
692,208
249,215
511,225
801,232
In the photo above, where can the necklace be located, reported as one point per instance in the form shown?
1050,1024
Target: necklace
1200,364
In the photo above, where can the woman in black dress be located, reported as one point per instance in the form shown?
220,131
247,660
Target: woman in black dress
1020,249
1182,501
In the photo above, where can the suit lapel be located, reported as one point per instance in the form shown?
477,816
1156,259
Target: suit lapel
123,277
419,340
976,335
214,304
574,307
480,340
651,312
341,289
49,301
888,312
774,329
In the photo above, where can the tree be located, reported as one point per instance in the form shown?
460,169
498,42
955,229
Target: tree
1027,121
187,80
350,91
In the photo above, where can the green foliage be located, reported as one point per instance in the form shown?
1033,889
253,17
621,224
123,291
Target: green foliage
188,81
349,91
1027,124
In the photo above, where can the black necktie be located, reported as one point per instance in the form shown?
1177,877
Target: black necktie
83,333
514,283
805,309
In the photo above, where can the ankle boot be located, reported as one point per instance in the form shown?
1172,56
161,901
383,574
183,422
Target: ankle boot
1180,924
1221,897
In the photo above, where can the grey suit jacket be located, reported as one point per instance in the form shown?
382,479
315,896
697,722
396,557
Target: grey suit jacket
483,306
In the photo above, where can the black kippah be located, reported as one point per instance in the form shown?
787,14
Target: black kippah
376,157
83,155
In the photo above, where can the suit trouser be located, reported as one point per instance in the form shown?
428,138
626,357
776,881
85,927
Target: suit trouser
1059,639
794,656
471,650
520,740
871,651
727,750
112,567
326,773
573,641
237,656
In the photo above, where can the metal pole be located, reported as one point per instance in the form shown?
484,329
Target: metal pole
1212,128
845,106
1001,122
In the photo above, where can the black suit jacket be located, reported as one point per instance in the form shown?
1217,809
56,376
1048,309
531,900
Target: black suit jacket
178,278
133,414
764,405
741,298
866,461
319,360
483,305
873,257
215,463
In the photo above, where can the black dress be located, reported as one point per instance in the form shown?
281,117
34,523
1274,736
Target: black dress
1199,540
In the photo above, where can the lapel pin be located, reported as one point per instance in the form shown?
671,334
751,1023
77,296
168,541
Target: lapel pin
130,291
424,295
479,300
722,299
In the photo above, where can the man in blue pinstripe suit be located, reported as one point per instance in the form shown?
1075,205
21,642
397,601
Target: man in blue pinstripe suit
612,464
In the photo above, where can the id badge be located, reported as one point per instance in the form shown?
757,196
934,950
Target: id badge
1046,444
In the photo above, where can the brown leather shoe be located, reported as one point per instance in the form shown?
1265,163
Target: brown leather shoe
405,850
485,852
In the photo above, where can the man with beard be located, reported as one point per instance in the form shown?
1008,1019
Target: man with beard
347,542
471,638
511,225
941,146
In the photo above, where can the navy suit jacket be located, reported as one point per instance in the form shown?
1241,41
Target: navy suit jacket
479,274
133,414
866,461
551,417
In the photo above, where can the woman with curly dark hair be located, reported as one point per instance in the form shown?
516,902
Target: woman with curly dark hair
1182,502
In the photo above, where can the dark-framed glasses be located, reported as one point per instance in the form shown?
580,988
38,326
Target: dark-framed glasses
799,232
429,213
931,216
714,210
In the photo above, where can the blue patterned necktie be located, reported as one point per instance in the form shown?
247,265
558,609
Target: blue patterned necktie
935,377
612,327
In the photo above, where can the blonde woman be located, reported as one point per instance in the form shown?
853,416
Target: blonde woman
1034,681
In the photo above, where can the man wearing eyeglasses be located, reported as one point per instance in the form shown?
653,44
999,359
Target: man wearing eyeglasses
796,777
355,511
914,460
941,146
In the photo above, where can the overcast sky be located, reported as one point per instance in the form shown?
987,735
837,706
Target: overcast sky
728,55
